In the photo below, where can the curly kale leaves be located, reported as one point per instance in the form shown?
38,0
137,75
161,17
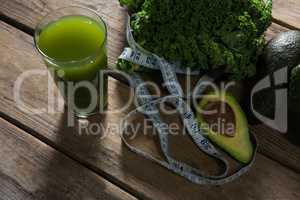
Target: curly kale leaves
204,34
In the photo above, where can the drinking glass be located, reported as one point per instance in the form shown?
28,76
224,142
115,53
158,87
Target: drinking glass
72,42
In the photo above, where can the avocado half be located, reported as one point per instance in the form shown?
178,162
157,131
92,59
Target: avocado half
238,145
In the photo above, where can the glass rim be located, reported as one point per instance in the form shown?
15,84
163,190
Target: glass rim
54,61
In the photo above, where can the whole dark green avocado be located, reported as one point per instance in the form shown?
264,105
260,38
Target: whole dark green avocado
282,51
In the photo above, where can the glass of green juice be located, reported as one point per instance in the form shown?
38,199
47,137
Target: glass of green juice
72,42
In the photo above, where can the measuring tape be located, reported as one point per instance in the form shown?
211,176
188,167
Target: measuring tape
148,106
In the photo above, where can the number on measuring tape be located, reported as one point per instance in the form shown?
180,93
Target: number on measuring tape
148,106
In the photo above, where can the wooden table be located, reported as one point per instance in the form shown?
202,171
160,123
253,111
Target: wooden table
42,158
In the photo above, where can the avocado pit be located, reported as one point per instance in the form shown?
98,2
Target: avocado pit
222,121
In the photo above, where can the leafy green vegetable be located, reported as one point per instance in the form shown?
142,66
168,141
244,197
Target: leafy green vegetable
204,34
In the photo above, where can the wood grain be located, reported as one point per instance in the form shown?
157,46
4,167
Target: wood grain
107,155
277,147
287,13
29,13
30,169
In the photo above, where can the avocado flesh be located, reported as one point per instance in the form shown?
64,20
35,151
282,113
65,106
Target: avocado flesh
239,146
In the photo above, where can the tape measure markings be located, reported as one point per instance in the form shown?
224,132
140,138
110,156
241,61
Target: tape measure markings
142,57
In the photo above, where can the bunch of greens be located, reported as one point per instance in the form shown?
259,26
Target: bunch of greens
206,34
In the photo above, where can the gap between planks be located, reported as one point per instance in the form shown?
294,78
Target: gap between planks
273,30
66,153
34,170
110,155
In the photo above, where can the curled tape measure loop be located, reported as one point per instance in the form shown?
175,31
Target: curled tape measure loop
192,174
148,107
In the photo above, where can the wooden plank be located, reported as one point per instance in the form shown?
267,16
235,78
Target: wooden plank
30,169
31,12
277,147
108,156
287,13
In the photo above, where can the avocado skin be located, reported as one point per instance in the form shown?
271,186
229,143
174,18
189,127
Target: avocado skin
239,146
294,85
282,51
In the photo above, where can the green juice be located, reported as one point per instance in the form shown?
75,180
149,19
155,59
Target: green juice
75,49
